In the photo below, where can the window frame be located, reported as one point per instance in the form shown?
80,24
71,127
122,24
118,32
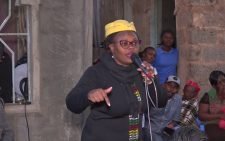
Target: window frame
33,61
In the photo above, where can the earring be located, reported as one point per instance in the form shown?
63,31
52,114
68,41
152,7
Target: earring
112,56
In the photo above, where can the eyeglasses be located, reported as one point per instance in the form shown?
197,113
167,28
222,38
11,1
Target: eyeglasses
126,44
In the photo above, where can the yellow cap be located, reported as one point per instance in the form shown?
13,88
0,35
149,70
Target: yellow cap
118,25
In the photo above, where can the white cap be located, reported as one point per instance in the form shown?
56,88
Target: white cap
173,78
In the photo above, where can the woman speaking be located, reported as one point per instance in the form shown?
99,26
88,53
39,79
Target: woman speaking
115,90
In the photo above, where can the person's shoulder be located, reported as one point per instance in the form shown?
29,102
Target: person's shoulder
159,49
177,97
206,94
195,102
205,99
175,50
90,69
97,68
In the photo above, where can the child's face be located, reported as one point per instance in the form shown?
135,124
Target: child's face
171,88
149,56
189,92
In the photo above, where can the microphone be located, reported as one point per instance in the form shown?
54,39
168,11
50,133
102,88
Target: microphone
137,61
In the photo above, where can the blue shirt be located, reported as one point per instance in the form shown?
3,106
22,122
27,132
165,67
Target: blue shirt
166,63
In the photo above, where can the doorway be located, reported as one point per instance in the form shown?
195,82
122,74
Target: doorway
163,18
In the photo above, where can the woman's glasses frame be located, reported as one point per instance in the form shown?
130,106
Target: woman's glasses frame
125,44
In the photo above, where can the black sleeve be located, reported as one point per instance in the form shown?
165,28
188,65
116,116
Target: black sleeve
76,100
161,93
205,99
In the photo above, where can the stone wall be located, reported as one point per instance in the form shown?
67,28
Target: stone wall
200,36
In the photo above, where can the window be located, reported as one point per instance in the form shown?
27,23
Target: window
14,45
19,36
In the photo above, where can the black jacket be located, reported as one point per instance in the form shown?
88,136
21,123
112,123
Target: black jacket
110,123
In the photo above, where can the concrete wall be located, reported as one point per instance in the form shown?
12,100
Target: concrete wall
200,36
64,52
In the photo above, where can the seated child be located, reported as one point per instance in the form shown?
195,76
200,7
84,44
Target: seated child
188,129
189,110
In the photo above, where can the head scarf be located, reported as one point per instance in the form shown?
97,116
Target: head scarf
193,84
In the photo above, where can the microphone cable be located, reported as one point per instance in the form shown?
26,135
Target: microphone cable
155,105
26,119
24,90
147,95
148,114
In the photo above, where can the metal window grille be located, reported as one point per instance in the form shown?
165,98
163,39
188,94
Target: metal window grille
22,34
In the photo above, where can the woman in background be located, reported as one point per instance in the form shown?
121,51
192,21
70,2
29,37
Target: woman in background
212,105
167,56
188,128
